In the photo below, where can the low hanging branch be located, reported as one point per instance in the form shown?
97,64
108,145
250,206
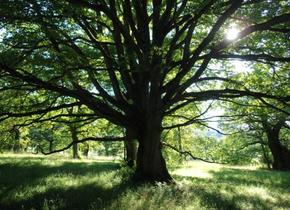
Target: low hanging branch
189,153
39,111
82,141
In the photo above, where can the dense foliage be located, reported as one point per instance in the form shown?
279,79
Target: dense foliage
144,67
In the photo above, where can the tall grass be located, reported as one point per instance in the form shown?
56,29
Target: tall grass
37,182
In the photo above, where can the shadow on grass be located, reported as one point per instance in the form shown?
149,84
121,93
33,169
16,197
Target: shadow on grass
74,198
25,173
223,191
15,176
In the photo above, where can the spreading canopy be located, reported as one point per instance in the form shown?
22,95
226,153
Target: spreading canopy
134,62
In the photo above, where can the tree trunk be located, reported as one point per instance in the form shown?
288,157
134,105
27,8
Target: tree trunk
16,138
75,151
281,155
151,165
130,148
107,153
50,146
86,150
74,136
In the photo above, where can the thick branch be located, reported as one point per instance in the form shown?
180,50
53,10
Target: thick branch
252,57
230,93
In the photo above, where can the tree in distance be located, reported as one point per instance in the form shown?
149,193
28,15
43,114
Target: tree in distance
265,123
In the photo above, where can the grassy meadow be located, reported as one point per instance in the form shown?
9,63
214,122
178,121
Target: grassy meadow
41,182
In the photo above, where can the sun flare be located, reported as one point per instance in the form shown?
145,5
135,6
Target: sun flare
232,33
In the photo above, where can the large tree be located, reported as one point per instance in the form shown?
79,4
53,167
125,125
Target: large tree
135,62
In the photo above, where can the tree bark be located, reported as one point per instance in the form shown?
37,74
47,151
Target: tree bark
281,154
75,151
151,166
130,148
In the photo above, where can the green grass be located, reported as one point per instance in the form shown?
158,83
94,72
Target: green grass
37,182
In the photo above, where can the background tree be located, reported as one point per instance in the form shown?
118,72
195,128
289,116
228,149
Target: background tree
265,123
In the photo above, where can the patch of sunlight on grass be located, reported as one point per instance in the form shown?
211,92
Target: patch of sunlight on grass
256,197
260,192
70,180
197,169
249,167
19,155
160,196
192,172
59,157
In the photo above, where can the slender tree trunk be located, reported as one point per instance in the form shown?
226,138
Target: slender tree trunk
74,136
50,146
86,150
75,151
130,148
16,145
179,144
151,165
281,155
107,153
